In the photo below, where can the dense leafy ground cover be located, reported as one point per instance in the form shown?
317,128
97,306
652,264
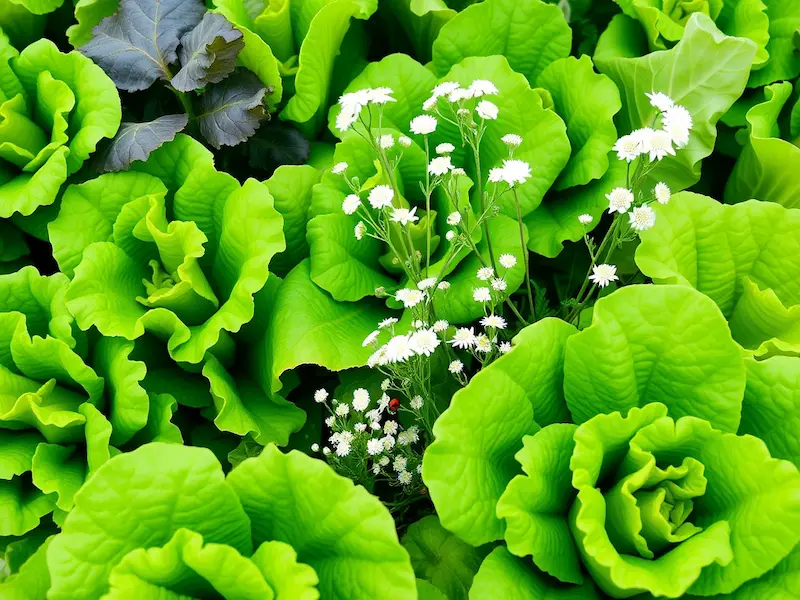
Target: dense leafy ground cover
360,300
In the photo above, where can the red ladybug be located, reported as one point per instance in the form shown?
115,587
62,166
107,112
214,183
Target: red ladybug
394,404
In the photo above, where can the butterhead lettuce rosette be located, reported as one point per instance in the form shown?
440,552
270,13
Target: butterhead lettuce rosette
172,256
634,478
66,405
54,109
164,522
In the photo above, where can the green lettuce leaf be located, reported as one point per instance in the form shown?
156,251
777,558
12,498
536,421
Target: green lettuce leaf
784,62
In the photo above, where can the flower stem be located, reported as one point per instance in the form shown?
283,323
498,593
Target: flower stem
524,248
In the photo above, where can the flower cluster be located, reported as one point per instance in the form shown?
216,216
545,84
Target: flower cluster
353,103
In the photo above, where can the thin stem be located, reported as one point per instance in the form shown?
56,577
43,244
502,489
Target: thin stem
427,206
524,254
477,153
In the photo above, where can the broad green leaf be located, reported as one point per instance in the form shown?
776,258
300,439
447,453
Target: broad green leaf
167,486
667,344
782,582
471,461
764,168
442,559
346,535
744,257
310,327
587,102
270,21
770,406
428,591
410,81
784,62
135,141
257,57
136,45
536,505
88,14
420,20
19,24
207,53
32,581
231,111
717,78
506,576
40,7
531,35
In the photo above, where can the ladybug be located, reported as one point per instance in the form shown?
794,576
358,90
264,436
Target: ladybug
394,404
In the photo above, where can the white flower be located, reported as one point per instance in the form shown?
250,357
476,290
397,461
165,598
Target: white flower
329,421
443,285
377,358
483,344
320,396
677,123
450,235
405,477
445,88
445,148
360,399
315,447
360,427
387,323
427,283
429,104
585,219
603,274
440,326
376,468
404,141
495,321
339,168
381,196
619,200
399,464
499,284
370,339
388,442
660,100
458,171
375,426
440,165
386,141
350,204
424,341
384,460
455,367
644,136
516,171
399,349
454,218
390,427
386,384
423,124
409,298
383,403
628,147
481,294
512,140
485,273
345,119
404,216
504,347
459,94
374,446
342,410
416,402
463,338
482,87
642,217
507,260
380,95
487,110
360,230
496,175
660,145
326,451
662,192
419,468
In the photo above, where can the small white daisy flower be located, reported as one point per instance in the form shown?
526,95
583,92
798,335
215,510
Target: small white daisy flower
370,339
619,200
422,125
463,338
390,427
642,218
499,284
508,261
459,94
482,87
404,141
329,421
516,171
386,141
496,175
350,204
326,451
644,137
445,148
454,218
444,88
381,196
443,285
485,273
342,410
512,140
662,193
585,219
628,147
399,464
386,384
315,447
483,344
359,230
450,235
424,342
339,168
440,326
360,427
455,367
416,402
504,347
440,166
458,171
383,460
360,399
374,446
487,110
388,442
405,477
660,145
494,321
387,323
409,298
404,216
399,349
603,274
320,396
482,294
660,100
427,283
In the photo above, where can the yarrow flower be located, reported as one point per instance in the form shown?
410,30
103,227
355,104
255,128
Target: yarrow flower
585,219
339,168
390,428
603,274
398,349
516,171
494,321
405,477
481,294
440,166
409,298
642,218
619,200
677,123
360,230
507,260
404,216
445,148
483,344
463,338
499,284
422,125
454,218
512,140
662,193
628,147
427,283
482,87
399,464
455,367
381,196
360,399
487,110
485,273
342,410
660,100
424,342
459,94
320,396
350,204
374,446
440,326
370,339
661,145
496,175
353,102
386,141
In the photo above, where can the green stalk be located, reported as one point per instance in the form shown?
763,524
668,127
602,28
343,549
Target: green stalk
524,254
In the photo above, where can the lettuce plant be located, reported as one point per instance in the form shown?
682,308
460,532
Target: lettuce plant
280,526
631,498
